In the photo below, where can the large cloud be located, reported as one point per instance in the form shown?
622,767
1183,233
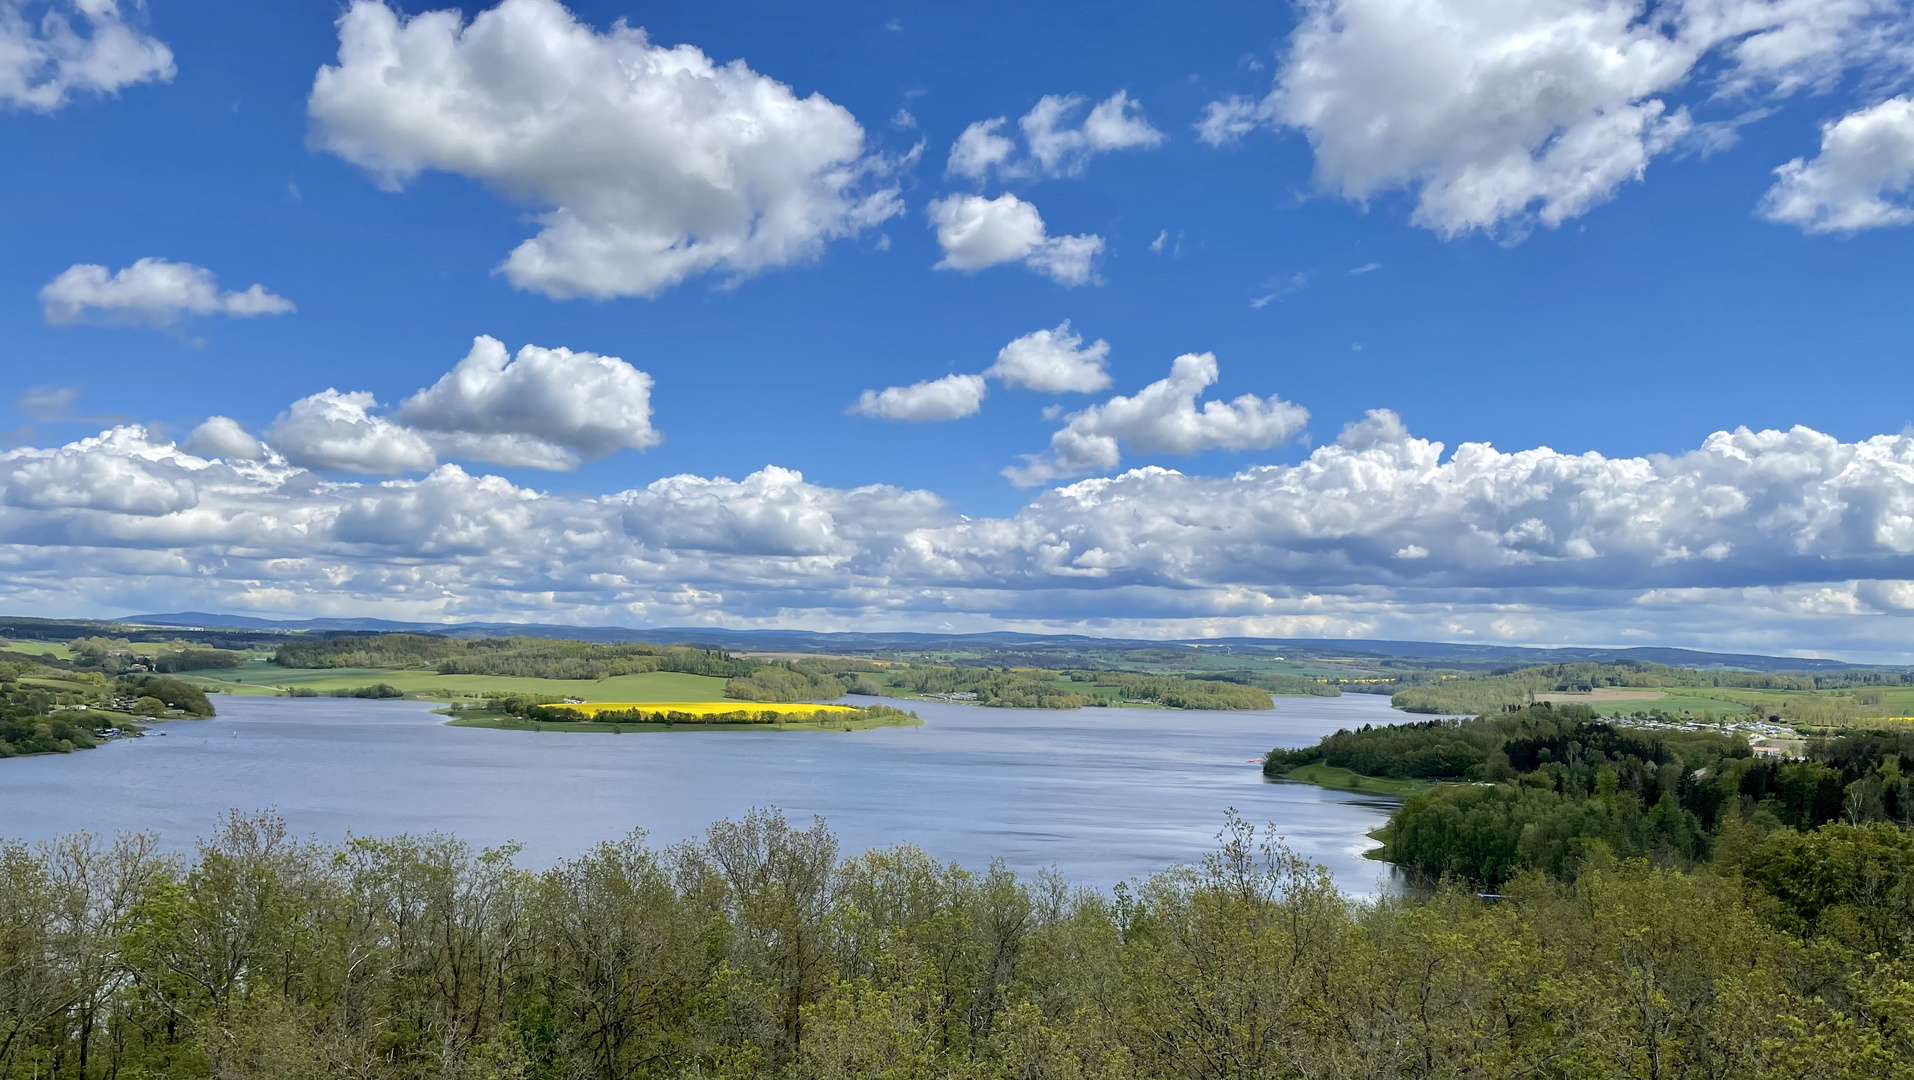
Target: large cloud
1056,143
648,164
543,409
50,52
1163,418
976,233
224,437
1777,540
1516,112
1859,180
338,432
152,291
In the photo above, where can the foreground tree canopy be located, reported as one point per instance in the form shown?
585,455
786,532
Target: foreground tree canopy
759,950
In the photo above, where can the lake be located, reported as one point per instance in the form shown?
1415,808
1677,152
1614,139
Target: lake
1101,794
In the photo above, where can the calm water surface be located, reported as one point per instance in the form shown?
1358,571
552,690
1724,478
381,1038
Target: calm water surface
1102,794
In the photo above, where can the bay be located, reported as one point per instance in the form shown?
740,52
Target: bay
1103,795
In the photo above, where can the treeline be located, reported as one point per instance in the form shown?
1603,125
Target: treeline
1548,789
376,691
1474,694
1289,685
36,718
521,657
759,950
1178,692
190,659
41,720
167,691
811,679
1009,688
1040,688
113,656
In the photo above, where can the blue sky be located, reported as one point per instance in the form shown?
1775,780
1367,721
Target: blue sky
1333,251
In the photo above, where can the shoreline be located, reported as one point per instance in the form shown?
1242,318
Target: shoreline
1327,776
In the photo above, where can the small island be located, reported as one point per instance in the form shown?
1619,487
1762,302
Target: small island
74,684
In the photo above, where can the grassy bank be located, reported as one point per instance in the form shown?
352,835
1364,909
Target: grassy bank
1344,780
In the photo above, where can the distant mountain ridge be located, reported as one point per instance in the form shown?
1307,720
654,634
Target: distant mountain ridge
852,642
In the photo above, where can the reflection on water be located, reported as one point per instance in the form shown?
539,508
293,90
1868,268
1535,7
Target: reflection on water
1103,794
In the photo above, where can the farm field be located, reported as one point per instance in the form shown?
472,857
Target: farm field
264,677
59,650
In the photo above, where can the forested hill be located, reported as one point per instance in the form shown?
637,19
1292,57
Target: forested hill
526,657
1465,693
796,679
1549,788
1419,653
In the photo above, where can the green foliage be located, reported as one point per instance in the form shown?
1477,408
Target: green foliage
518,657
173,693
369,651
1433,749
760,950
1018,688
1287,685
1548,788
1851,883
1296,685
376,690
784,683
190,659
1177,692
1039,688
43,719
1477,694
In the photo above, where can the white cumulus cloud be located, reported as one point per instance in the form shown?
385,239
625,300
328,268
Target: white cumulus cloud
338,432
1859,180
1162,418
646,164
1754,540
1048,361
976,233
1509,113
1053,362
223,437
1057,144
979,149
153,292
949,398
50,52
543,409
